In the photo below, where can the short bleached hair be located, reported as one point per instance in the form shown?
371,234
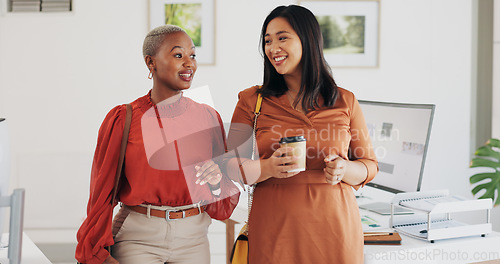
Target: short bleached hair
155,38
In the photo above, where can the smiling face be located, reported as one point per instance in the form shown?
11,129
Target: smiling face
174,63
283,47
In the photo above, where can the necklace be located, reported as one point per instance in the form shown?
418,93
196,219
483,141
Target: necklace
290,99
298,107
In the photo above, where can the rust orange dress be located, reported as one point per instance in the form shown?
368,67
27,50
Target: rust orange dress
303,219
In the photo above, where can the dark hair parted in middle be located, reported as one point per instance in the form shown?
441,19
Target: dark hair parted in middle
317,78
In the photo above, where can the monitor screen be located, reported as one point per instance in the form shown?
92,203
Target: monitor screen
400,137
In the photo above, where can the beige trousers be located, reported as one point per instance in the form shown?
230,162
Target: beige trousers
153,240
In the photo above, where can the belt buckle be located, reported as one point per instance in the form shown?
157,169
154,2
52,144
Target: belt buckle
167,214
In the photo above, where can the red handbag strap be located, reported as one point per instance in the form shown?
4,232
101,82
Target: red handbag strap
126,130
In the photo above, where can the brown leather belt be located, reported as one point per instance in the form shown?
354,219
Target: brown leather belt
170,214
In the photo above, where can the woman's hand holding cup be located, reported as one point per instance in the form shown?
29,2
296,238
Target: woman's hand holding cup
335,168
279,164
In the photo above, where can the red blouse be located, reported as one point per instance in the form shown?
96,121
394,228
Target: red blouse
164,146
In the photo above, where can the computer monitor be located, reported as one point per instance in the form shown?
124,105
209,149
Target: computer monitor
400,135
4,170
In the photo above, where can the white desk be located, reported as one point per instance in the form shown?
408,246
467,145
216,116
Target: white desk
31,254
457,250
412,250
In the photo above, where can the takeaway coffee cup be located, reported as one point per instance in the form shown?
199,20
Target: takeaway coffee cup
298,144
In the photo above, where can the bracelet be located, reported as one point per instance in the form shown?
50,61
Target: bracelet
216,192
214,187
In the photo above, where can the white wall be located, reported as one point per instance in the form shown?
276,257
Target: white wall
496,72
425,55
61,73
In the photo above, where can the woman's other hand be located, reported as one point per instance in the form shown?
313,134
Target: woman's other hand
335,169
110,260
278,164
208,172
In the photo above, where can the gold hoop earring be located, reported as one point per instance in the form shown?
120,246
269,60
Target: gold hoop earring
150,75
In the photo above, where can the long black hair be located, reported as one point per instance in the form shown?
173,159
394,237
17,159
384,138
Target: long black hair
317,78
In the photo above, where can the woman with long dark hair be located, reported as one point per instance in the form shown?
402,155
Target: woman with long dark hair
306,216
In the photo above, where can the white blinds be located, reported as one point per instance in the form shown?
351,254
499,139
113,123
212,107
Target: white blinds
40,5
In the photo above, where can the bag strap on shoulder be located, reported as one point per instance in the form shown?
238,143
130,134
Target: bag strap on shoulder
123,148
258,104
257,113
